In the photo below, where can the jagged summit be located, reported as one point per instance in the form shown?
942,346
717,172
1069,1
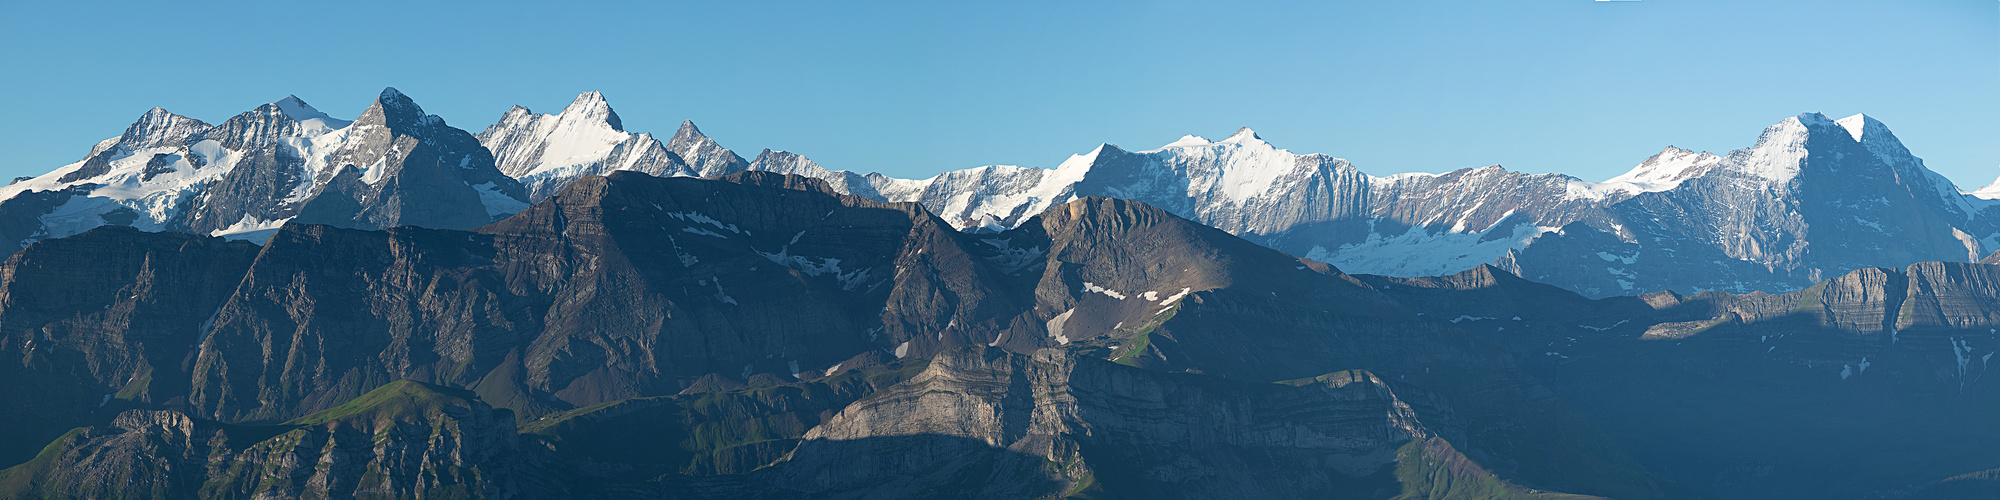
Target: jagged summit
250,174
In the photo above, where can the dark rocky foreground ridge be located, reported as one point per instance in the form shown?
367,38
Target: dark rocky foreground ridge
761,336
757,336
1868,385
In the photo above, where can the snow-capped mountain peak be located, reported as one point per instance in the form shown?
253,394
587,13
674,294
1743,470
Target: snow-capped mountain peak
1243,136
1780,150
297,108
158,127
313,119
702,154
1186,141
261,168
591,106
1856,125
1664,171
1990,192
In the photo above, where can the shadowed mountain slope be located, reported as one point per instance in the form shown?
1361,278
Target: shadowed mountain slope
632,286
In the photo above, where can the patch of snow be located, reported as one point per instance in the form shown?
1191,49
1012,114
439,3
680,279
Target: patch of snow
1961,349
722,296
496,203
1011,258
1089,287
1055,326
704,219
1420,252
703,232
1608,257
1855,125
250,224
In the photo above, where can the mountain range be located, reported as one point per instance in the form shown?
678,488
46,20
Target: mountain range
1812,198
558,308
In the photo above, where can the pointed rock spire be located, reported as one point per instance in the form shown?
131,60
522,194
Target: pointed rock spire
687,133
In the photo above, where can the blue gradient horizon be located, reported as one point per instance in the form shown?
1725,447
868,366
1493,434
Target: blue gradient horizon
1581,87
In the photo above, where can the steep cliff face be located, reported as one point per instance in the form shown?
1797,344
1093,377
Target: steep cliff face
623,287
402,440
980,421
1110,430
102,321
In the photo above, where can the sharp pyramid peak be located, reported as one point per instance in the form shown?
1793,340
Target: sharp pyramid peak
592,106
688,133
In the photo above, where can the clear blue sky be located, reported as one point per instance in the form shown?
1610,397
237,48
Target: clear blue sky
910,89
